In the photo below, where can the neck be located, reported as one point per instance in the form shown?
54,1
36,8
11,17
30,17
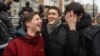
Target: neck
31,32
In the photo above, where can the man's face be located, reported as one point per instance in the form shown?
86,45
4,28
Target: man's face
35,24
53,16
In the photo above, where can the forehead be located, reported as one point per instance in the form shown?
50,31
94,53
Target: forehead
53,10
35,16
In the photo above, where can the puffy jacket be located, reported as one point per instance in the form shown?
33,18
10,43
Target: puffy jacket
57,44
6,29
7,21
91,41
85,22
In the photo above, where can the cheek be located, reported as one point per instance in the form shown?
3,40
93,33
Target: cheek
34,24
56,17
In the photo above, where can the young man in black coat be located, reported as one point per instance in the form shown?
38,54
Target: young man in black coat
89,38
77,20
88,35
55,33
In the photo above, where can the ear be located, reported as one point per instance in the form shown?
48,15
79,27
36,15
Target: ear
28,24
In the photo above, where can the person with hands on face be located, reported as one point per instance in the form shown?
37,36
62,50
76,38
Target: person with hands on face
77,21
73,40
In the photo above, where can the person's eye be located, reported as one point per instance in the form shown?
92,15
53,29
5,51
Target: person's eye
53,13
38,19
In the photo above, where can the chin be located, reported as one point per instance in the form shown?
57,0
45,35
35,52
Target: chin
51,23
38,30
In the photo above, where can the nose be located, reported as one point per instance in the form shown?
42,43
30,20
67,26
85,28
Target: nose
50,15
40,21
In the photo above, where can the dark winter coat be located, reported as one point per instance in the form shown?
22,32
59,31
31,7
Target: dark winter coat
57,42
85,22
91,41
6,27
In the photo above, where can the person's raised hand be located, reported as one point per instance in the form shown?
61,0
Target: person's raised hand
71,20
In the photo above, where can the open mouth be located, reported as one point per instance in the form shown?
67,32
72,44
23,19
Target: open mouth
51,19
39,25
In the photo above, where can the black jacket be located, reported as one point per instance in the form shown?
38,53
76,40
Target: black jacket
84,23
6,27
91,41
81,26
58,44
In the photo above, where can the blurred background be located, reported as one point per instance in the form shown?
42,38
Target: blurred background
91,6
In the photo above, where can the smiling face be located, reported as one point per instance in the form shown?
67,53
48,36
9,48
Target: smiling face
53,16
34,24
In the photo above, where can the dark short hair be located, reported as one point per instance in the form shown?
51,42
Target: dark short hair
76,7
56,8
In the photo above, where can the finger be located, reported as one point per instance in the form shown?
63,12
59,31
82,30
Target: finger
71,13
75,17
66,16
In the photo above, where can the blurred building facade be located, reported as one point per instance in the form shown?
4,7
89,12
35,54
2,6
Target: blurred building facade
15,7
89,9
60,3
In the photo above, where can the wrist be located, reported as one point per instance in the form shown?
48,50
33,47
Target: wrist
72,28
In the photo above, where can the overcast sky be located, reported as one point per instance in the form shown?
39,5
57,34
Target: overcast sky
97,2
